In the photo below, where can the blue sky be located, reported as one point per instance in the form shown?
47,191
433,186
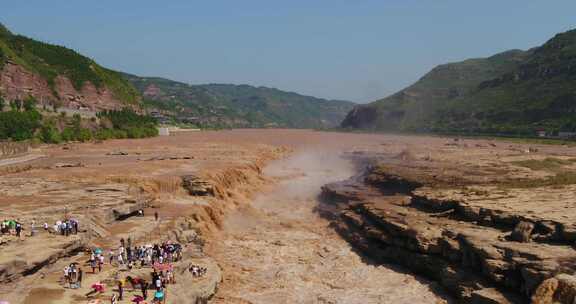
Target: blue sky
358,50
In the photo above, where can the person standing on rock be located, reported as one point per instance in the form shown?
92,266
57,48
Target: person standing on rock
144,288
120,289
32,228
93,264
18,229
156,215
158,283
80,277
120,259
122,250
100,258
67,275
129,253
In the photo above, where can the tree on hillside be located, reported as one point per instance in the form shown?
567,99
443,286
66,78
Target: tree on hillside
131,123
15,105
49,133
30,103
18,125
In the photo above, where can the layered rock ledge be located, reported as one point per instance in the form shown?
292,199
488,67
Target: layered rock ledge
479,249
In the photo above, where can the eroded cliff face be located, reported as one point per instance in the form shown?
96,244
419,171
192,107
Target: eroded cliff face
361,117
18,83
479,255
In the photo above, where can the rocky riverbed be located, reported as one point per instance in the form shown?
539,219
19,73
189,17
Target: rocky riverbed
422,220
486,233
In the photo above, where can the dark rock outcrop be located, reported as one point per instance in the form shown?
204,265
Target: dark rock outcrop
196,186
361,117
522,232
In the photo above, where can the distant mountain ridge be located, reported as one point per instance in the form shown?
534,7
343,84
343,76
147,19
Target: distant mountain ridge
515,92
228,105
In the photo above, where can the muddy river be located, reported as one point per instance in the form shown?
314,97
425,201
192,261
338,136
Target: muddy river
279,250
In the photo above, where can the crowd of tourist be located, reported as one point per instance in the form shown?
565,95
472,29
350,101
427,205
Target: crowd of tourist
73,276
145,255
15,227
65,227
11,227
158,257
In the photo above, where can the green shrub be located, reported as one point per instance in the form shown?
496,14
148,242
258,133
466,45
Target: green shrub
30,103
18,125
104,134
129,124
84,135
49,133
67,134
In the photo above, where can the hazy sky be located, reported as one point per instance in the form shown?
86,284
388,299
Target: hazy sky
358,50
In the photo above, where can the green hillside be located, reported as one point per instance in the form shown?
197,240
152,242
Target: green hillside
514,92
416,107
272,106
49,61
226,105
538,94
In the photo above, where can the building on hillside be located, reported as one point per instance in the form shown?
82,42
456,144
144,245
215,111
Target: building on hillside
164,131
190,119
541,133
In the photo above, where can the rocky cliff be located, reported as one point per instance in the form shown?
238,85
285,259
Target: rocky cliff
481,249
57,76
16,82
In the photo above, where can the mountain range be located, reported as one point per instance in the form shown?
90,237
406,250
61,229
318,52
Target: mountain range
229,105
514,92
62,78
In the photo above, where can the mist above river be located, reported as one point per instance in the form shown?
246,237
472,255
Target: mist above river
278,250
